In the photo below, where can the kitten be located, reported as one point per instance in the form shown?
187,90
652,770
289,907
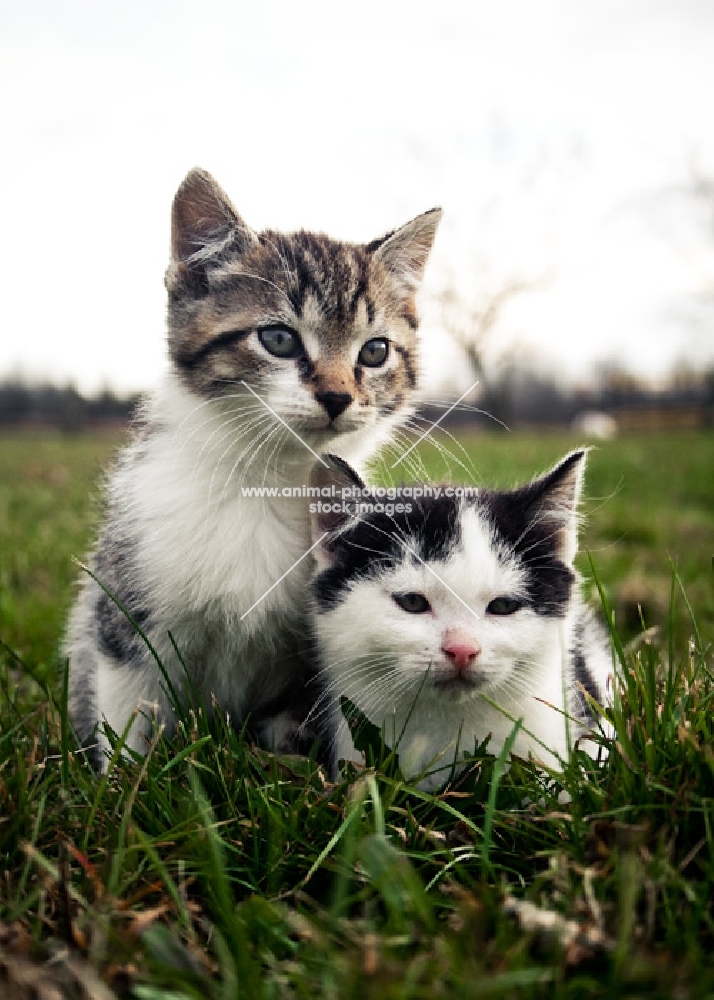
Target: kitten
419,614
280,346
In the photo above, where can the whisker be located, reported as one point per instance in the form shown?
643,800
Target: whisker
254,443
230,422
235,434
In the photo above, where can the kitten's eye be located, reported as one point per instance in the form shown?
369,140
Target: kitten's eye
415,604
280,341
374,353
504,606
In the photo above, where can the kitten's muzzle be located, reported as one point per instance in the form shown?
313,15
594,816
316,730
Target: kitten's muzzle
334,403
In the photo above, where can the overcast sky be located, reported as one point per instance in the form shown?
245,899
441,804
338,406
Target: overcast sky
560,138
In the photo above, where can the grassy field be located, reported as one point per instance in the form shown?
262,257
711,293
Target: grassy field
211,869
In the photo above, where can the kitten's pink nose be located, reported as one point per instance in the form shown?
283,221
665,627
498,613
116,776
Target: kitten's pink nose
461,651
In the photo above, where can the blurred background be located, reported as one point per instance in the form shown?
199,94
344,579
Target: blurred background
570,146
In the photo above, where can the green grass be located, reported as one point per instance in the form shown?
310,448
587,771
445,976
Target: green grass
49,504
212,869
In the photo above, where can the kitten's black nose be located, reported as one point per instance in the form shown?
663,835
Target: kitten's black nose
334,402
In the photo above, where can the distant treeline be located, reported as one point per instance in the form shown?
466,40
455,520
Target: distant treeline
519,397
63,407
514,395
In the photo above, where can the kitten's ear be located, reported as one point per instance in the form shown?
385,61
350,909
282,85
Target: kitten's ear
203,221
405,251
556,500
336,480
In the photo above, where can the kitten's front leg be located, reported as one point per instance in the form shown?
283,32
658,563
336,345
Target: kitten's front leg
341,746
293,722
284,733
125,691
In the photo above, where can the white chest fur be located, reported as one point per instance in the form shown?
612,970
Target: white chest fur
227,571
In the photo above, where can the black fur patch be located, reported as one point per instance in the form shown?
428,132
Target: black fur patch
533,536
117,635
582,674
378,542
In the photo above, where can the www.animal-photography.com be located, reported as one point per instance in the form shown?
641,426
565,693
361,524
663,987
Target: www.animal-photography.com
356,501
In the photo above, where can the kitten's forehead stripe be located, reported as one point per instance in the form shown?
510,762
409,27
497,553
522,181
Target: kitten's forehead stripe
360,293
335,273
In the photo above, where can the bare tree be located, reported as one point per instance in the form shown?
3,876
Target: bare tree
471,324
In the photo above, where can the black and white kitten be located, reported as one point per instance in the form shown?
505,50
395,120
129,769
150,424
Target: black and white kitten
280,346
420,613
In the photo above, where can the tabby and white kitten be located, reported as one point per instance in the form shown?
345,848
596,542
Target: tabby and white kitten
419,614
278,344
